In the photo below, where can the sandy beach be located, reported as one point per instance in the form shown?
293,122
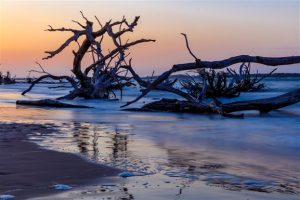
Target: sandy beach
27,170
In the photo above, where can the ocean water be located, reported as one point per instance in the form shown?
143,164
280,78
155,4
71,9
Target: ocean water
259,153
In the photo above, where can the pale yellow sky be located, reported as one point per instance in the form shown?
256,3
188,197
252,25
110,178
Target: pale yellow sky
217,29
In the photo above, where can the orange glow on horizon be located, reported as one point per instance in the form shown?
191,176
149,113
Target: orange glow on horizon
216,30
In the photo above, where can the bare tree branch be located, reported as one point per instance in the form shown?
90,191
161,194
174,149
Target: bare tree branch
188,46
116,50
82,26
84,16
161,87
98,21
51,29
269,61
64,45
69,79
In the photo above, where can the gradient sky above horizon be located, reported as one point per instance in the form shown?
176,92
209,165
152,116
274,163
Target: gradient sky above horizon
217,29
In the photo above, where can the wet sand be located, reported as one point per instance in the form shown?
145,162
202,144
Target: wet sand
182,156
26,170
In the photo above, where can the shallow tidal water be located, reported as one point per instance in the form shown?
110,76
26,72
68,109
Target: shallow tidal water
173,156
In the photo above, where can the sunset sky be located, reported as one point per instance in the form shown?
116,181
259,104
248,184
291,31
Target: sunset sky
217,29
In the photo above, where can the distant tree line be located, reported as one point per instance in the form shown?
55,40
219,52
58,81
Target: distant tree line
7,78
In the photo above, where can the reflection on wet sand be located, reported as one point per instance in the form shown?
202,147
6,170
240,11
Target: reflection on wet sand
227,172
91,141
118,146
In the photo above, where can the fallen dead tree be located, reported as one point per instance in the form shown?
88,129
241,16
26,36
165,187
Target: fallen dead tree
262,105
104,75
194,103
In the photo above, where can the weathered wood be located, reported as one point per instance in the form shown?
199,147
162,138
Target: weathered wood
200,65
221,84
49,103
104,75
266,104
115,51
217,65
174,105
38,80
162,87
262,105
269,61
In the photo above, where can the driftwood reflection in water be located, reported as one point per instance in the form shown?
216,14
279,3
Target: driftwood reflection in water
94,140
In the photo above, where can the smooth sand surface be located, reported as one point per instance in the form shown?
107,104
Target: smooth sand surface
131,188
26,170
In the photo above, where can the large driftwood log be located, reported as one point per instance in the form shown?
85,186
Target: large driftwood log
173,105
49,103
262,105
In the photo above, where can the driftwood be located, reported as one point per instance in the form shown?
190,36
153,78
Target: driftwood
222,84
194,103
104,75
262,105
49,103
215,65
198,65
108,72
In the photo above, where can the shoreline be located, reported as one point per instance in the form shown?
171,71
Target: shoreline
15,124
28,171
